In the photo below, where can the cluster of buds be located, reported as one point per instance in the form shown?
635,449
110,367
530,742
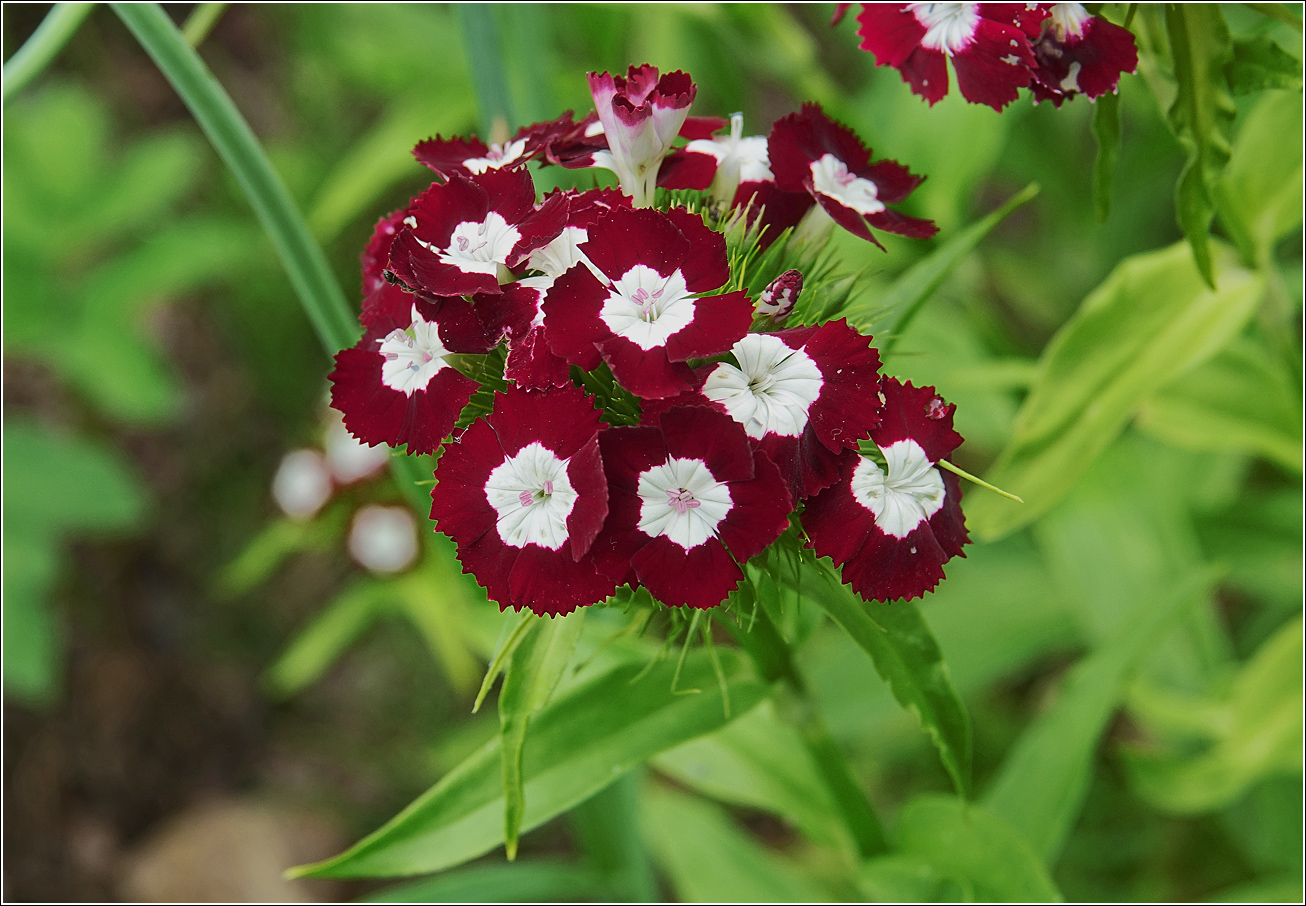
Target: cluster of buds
652,425
1056,50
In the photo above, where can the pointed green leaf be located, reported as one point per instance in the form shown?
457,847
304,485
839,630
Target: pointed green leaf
899,642
590,735
533,672
324,639
1041,786
1150,321
1260,194
1202,117
607,828
523,882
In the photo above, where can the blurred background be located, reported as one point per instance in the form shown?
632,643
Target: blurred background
206,683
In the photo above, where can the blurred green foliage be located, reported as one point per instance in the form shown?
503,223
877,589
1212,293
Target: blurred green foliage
1127,643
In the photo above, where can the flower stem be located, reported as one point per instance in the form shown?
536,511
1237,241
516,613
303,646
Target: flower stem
43,46
213,109
201,22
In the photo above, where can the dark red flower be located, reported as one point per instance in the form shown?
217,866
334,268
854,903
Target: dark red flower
803,396
470,156
892,526
689,501
1080,54
466,235
376,256
988,43
811,152
641,114
395,386
523,496
638,303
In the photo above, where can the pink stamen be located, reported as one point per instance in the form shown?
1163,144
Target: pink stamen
462,243
548,487
525,498
681,500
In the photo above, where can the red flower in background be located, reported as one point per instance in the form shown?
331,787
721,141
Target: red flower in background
810,152
689,501
988,43
523,496
638,303
803,396
1080,54
891,527
470,156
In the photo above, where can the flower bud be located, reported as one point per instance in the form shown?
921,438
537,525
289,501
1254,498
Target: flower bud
777,300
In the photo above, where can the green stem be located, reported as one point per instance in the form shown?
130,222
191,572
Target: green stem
212,108
774,660
481,34
43,46
201,22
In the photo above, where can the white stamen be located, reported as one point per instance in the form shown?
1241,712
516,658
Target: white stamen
682,501
911,493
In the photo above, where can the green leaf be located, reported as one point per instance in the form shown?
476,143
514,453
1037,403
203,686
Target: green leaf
900,878
523,882
320,644
1257,732
31,636
1242,401
55,30
1202,117
1283,889
710,860
975,848
1260,63
582,741
760,762
273,544
893,311
907,657
534,670
510,636
1259,196
1278,11
1042,783
1106,131
1149,322
607,828
303,259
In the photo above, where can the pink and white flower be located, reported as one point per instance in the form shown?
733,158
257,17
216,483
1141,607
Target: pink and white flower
640,304
641,115
689,501
892,525
467,235
988,44
470,156
811,152
396,385
1079,53
803,396
523,495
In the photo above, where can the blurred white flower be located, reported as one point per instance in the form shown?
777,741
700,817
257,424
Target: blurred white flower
302,484
349,459
384,538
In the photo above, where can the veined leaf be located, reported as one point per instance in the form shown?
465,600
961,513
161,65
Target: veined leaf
523,882
973,847
580,742
1202,117
1150,321
1041,786
904,651
533,672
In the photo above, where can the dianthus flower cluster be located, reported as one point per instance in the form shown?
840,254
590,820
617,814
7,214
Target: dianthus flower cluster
1056,50
645,421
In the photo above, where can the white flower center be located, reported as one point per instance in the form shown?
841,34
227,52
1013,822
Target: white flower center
647,308
532,496
949,27
830,177
1068,20
412,356
911,493
747,157
681,501
481,248
771,391
498,156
